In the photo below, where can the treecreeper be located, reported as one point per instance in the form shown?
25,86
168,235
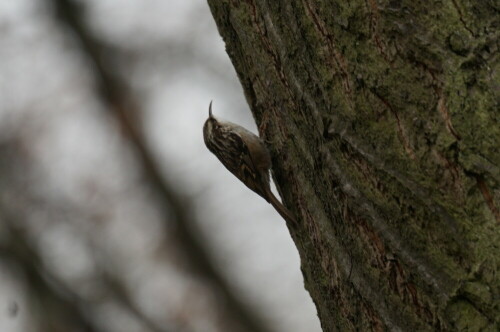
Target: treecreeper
245,155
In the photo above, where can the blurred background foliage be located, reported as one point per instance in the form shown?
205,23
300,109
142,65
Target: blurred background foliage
113,215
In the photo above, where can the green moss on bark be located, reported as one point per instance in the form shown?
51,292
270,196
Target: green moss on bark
382,119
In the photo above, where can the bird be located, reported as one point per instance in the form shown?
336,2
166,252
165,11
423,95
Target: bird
245,155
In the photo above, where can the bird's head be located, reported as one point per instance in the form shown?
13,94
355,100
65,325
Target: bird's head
210,125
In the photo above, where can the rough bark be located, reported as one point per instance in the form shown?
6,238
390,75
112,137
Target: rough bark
382,119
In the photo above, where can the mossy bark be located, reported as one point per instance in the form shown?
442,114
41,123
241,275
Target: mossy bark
382,119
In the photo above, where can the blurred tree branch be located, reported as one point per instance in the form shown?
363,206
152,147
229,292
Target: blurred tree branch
115,93
61,303
63,310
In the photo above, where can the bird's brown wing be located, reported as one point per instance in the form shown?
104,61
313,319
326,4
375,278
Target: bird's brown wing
246,169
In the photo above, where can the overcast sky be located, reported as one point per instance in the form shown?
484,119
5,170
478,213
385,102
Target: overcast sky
176,62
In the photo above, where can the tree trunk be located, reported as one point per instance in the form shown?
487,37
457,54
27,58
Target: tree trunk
382,120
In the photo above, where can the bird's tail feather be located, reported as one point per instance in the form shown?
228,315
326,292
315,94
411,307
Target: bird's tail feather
282,210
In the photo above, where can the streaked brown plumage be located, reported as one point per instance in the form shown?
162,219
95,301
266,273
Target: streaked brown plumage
245,155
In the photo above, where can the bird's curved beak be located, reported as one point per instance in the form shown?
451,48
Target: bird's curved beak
210,110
